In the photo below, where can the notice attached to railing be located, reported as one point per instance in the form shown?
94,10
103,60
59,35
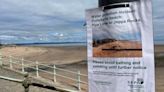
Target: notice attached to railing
120,47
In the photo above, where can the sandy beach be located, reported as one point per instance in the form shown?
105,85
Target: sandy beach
49,54
74,58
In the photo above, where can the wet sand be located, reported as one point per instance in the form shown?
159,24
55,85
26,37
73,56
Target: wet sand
49,54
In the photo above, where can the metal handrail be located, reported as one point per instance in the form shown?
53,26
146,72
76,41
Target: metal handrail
11,79
36,67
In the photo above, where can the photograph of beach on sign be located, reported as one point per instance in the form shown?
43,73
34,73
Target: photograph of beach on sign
117,43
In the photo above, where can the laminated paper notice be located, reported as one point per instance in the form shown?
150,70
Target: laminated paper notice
120,47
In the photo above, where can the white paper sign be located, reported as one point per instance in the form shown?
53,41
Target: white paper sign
120,48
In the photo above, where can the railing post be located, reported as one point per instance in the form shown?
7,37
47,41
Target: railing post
54,73
79,81
1,62
11,62
23,65
37,69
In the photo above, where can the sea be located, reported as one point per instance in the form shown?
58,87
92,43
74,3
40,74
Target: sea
47,38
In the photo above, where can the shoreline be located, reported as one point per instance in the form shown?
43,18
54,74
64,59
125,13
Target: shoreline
48,44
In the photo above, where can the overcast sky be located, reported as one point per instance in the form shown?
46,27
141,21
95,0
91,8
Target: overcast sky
158,18
43,14
38,16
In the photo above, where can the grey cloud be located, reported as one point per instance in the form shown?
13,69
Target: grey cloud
42,14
